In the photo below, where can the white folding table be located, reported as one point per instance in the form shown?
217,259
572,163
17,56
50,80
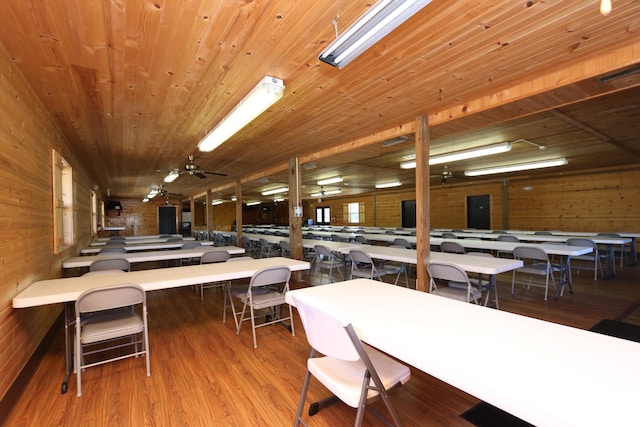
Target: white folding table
544,373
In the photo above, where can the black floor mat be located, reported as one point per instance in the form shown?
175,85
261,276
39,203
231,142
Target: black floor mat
485,415
617,329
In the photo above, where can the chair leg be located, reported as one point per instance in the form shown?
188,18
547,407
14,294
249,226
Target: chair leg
303,396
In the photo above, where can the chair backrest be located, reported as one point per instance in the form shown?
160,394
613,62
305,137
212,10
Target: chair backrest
101,272
115,243
499,232
109,297
402,242
452,247
113,250
447,272
174,239
115,238
165,236
527,252
110,264
271,276
449,235
326,331
239,258
507,238
359,256
214,256
542,233
324,251
575,241
190,245
362,239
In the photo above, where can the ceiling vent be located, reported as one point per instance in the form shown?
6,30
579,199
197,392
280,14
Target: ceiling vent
620,74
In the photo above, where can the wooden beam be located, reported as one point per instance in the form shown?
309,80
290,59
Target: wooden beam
423,201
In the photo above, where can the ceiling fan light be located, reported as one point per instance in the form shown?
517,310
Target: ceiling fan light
332,180
517,167
261,97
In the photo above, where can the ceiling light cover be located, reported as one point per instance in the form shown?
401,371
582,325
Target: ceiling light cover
171,176
326,193
332,180
389,184
472,153
382,18
517,167
408,165
261,97
275,191
217,202
253,203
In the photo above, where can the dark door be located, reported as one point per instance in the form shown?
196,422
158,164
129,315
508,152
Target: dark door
408,213
478,212
167,220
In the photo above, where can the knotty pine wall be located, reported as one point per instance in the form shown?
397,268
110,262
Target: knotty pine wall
138,218
27,136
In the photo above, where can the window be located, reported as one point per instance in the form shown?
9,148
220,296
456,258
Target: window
353,213
63,204
323,215
94,212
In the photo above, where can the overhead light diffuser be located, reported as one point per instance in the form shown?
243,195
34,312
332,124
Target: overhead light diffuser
261,97
389,184
275,191
472,153
332,180
408,165
253,203
382,18
326,193
517,167
217,202
171,176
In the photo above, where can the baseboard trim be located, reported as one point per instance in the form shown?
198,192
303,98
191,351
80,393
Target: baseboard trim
15,391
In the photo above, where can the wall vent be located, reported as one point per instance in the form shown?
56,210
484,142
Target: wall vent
620,74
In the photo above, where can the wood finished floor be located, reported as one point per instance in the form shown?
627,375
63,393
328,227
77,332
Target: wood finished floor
202,374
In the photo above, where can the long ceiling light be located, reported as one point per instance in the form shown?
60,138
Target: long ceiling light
261,97
517,167
382,18
326,193
275,191
471,153
171,176
389,184
332,180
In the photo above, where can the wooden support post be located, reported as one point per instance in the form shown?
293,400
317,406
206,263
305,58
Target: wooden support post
239,214
295,221
423,218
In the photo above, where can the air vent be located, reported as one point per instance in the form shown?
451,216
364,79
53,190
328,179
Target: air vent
620,74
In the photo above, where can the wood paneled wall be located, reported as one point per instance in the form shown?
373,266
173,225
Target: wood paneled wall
136,217
27,136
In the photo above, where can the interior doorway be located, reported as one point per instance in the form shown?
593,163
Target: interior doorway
479,212
167,220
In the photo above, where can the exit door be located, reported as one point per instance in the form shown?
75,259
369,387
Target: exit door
167,220
479,212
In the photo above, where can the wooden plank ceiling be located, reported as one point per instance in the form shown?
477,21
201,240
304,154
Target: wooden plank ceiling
135,84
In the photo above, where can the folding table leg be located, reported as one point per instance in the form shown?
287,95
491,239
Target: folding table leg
69,320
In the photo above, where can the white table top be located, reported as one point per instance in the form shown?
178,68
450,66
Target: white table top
85,261
551,249
145,246
140,240
469,263
68,289
148,236
542,372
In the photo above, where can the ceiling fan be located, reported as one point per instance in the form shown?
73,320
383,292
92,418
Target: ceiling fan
446,175
192,169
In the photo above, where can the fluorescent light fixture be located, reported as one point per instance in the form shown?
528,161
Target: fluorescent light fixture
389,184
408,165
234,198
518,167
382,18
217,202
172,176
278,199
145,200
275,191
332,180
326,193
472,153
253,203
261,97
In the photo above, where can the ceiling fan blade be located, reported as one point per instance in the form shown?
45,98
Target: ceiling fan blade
200,175
215,173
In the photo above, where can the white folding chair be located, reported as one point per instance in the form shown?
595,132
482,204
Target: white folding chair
103,316
355,373
536,263
266,291
326,260
212,257
450,273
